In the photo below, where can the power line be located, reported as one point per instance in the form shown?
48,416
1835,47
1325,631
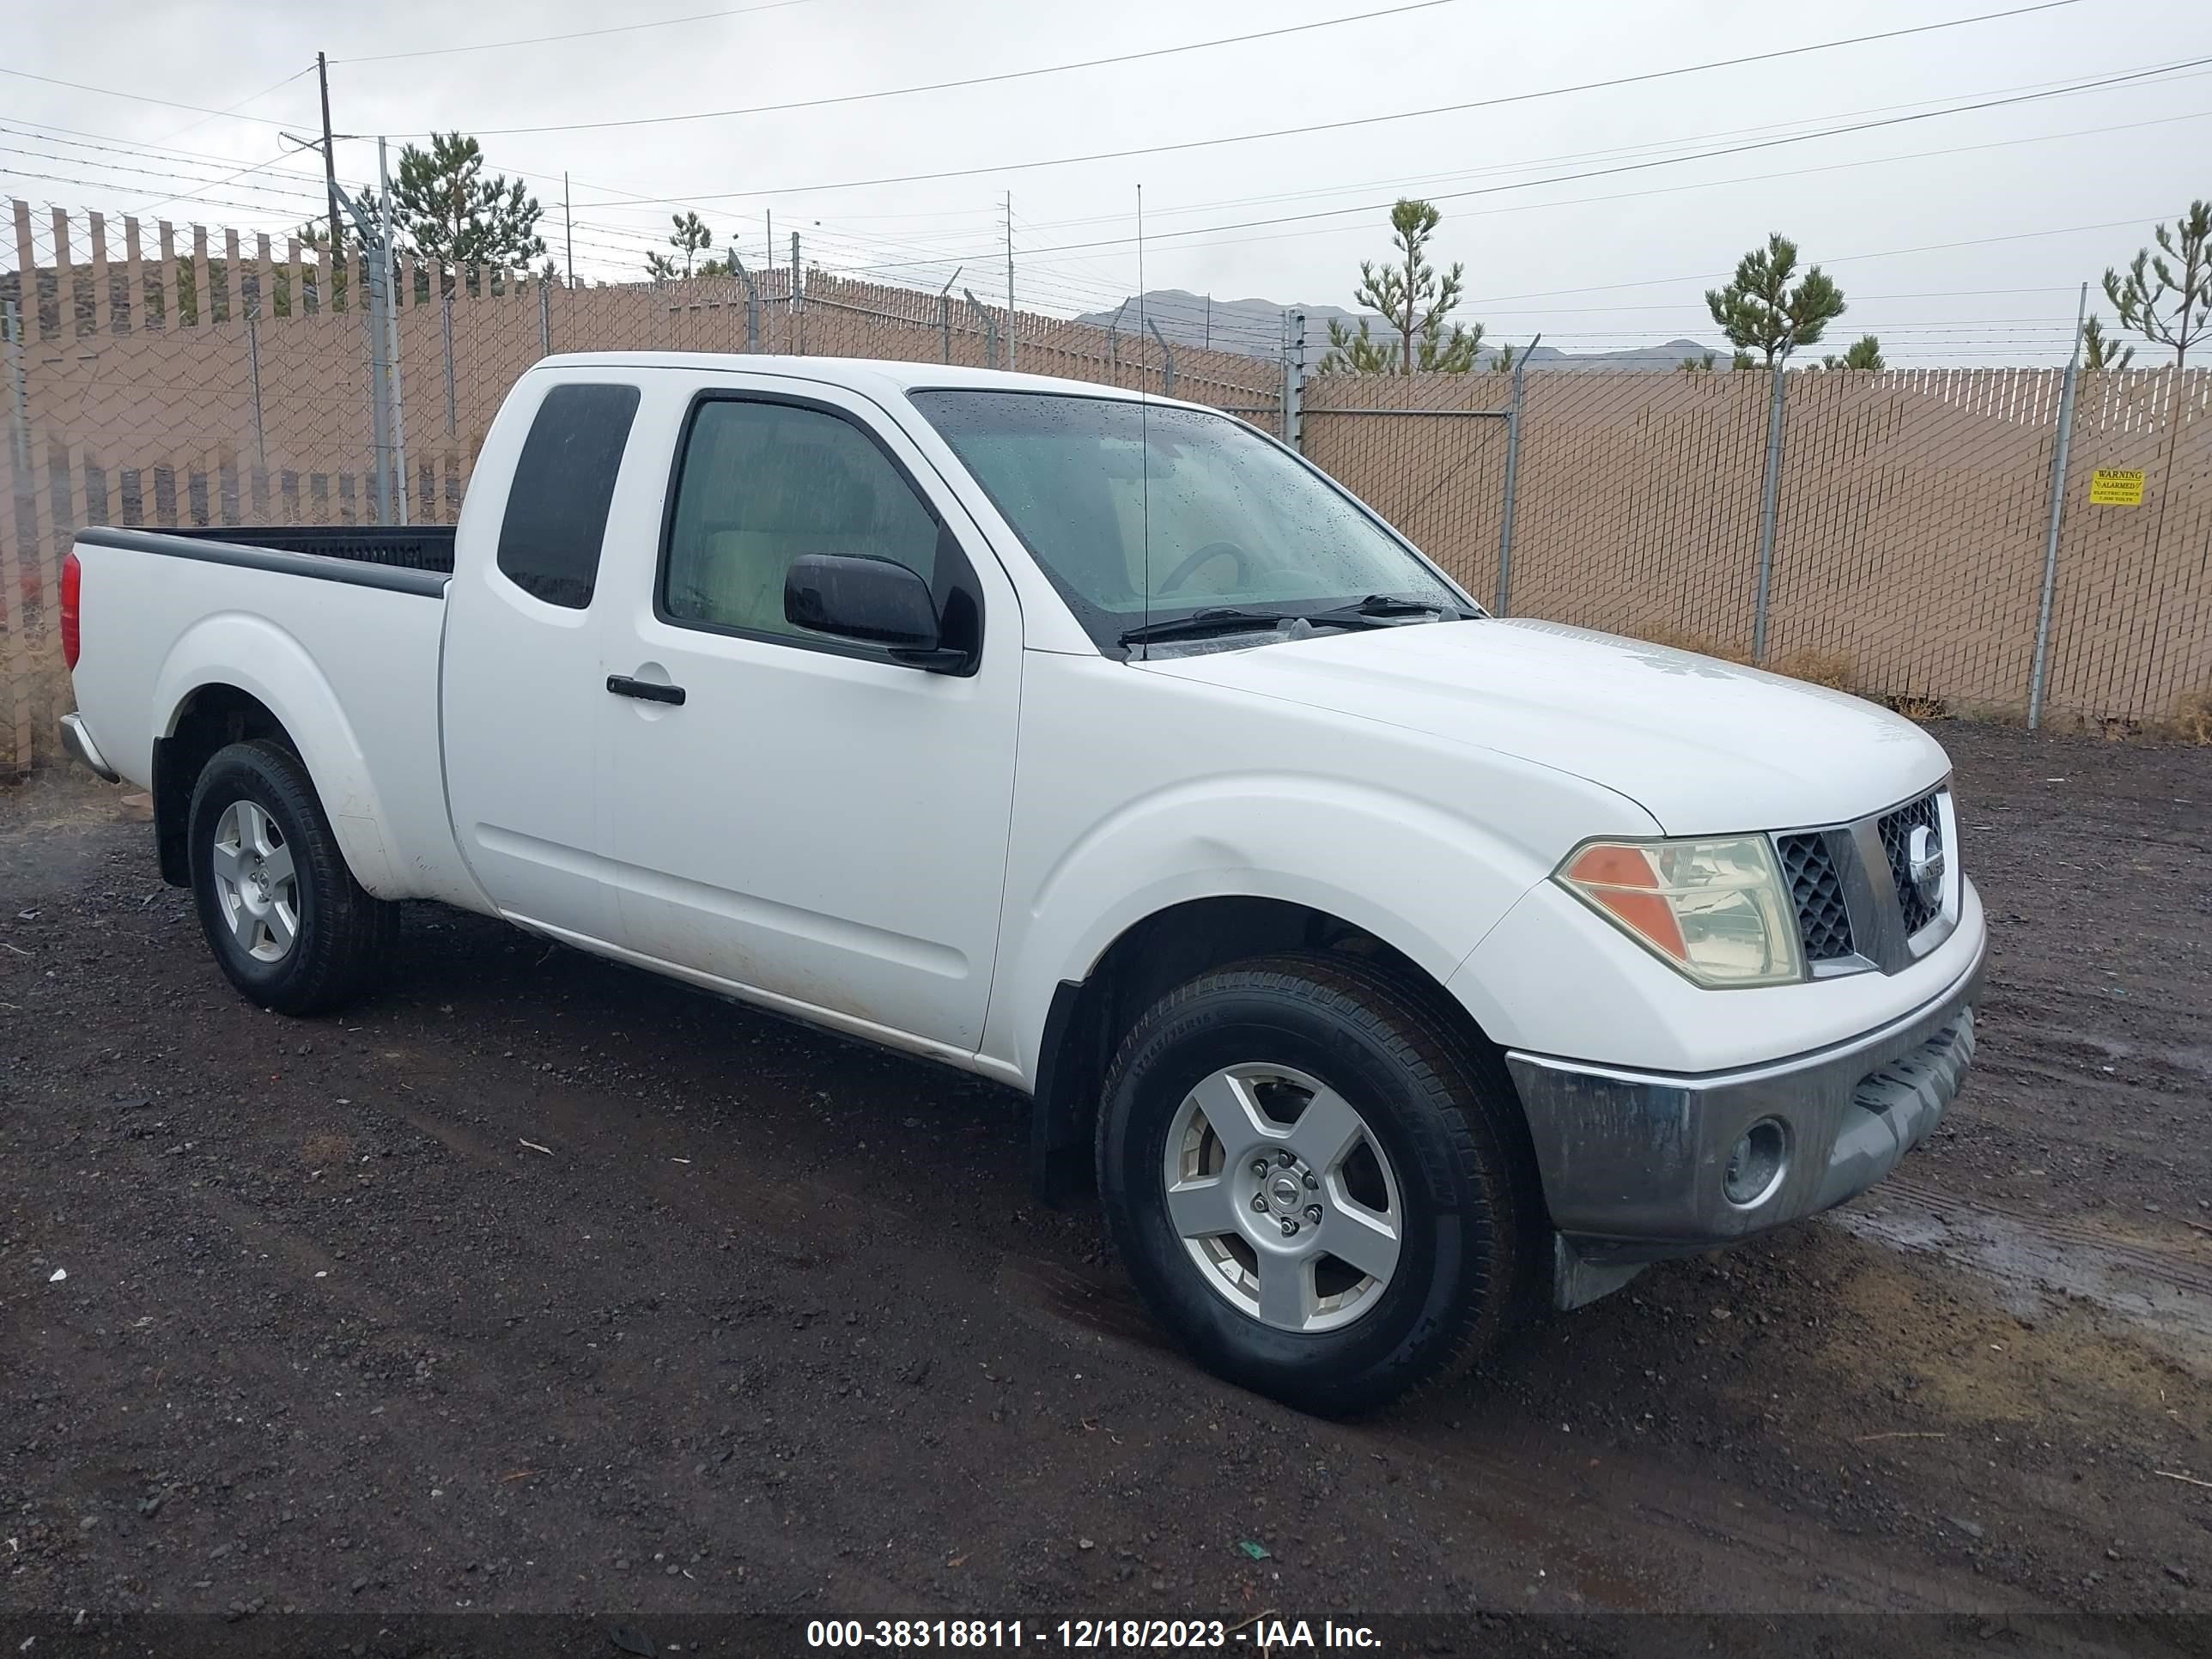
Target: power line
579,34
1646,166
981,80
148,98
2154,74
308,69
1319,126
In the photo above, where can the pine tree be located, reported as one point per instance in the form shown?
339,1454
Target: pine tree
2150,282
1414,300
690,238
1700,364
1865,353
1761,312
450,213
2100,351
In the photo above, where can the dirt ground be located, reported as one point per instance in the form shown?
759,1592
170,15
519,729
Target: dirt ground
538,1284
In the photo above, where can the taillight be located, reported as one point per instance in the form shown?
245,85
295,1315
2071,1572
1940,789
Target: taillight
72,582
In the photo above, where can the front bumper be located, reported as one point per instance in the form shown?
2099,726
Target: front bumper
78,741
1633,1162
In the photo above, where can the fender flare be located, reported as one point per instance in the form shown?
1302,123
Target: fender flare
252,653
1428,883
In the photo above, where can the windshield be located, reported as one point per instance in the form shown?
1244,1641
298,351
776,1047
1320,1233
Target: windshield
1144,514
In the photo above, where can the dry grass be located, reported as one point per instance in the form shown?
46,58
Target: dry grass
1810,663
2192,717
1915,707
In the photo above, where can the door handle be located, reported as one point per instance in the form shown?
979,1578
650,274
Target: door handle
623,686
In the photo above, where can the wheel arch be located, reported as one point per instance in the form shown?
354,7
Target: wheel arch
205,716
1087,1018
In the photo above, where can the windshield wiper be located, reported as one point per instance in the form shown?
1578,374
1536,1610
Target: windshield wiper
1375,611
1215,619
1386,605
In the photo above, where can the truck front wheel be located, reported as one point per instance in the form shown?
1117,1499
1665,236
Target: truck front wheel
287,921
1312,1181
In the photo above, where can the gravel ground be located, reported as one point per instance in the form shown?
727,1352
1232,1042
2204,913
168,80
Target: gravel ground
537,1285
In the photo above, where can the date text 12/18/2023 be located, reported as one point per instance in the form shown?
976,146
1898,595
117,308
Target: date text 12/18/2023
1267,1632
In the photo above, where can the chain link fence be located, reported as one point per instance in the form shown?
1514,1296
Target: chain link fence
194,378
1905,554
164,377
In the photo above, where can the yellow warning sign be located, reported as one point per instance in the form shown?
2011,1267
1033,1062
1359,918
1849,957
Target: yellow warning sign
2111,487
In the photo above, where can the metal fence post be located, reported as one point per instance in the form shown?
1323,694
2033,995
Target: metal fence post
798,310
752,300
1512,482
2036,676
397,414
1294,387
453,410
945,311
254,369
990,330
1769,496
546,316
18,405
380,385
1167,365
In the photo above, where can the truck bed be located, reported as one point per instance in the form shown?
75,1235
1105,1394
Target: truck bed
340,626
401,547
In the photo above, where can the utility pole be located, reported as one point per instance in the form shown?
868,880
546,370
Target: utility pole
569,220
330,152
1011,330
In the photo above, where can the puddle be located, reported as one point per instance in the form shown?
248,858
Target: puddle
2165,1289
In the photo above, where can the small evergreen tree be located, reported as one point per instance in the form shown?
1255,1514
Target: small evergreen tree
1414,300
449,212
1865,352
690,238
2151,281
1759,311
2099,350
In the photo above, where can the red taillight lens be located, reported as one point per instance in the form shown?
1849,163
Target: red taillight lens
72,582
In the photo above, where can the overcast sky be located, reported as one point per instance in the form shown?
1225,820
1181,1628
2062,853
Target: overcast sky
2071,182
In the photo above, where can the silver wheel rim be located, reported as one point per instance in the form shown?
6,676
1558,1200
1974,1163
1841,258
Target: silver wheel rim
255,885
1282,1198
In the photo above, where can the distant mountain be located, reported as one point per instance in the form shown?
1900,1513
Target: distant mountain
1255,328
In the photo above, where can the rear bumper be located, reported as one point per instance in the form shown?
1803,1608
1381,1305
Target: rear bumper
1633,1162
78,741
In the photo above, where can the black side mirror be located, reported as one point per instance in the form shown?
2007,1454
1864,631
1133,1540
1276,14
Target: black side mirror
874,601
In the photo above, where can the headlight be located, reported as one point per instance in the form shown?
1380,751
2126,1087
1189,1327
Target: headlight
1714,907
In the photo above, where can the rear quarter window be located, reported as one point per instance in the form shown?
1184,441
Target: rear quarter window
564,484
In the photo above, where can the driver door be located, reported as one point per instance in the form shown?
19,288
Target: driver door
814,825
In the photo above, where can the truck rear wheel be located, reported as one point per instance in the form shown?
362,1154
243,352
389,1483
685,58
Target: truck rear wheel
1313,1182
287,921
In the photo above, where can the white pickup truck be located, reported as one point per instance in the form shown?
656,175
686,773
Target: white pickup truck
1394,968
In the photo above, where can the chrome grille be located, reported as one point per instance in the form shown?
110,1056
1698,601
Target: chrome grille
1824,920
1896,828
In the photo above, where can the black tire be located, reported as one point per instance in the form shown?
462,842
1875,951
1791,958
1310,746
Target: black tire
1441,1110
343,939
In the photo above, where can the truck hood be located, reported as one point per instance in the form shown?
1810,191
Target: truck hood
1702,745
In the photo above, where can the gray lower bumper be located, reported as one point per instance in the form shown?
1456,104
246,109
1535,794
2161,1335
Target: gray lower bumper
1633,1162
79,743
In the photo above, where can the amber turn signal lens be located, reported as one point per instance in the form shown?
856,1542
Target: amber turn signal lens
1621,881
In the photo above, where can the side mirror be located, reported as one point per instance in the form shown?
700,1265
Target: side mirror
873,601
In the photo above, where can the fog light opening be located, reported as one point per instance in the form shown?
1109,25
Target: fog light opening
1756,1167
